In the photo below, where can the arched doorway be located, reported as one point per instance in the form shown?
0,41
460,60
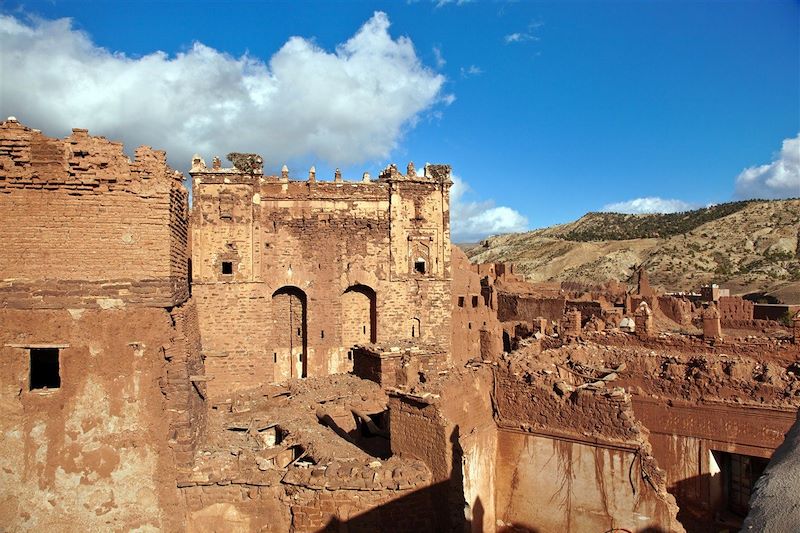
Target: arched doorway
289,333
359,316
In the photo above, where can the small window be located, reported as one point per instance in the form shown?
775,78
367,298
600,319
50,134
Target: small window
461,301
469,325
322,334
415,328
299,332
227,268
45,372
274,357
364,330
419,266
474,301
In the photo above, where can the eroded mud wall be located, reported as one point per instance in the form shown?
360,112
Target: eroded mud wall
92,454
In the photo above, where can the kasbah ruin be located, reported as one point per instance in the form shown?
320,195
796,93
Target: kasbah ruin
305,353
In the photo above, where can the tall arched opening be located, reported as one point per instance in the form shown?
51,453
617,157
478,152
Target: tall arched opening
359,316
289,333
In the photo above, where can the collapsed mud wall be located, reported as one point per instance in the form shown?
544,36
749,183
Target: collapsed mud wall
518,307
580,453
476,332
454,434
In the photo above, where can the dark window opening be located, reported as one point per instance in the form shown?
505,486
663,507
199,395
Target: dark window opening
227,268
461,301
322,334
299,332
474,301
350,355
275,357
419,266
469,325
44,369
364,330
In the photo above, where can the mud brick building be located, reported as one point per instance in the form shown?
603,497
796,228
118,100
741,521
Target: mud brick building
96,338
289,275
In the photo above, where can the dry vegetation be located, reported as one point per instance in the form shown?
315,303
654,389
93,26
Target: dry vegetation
749,246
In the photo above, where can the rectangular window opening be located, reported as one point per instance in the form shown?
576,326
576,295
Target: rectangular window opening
419,266
227,268
474,301
322,334
461,301
45,371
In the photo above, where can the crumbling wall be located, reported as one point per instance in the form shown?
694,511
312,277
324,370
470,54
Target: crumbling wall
734,308
454,434
698,404
94,368
476,332
92,454
183,385
581,453
518,307
84,227
676,309
256,236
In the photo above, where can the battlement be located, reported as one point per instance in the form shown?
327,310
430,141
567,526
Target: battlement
84,226
248,169
80,162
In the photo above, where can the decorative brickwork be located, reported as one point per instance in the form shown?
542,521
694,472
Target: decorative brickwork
289,275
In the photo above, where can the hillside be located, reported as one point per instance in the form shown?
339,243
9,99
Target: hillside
749,246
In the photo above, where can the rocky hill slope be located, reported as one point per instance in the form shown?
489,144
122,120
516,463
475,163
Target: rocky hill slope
749,246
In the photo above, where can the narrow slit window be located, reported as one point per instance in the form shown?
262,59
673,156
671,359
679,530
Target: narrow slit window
45,369
227,268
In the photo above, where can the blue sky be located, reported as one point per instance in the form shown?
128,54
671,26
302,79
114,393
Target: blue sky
546,110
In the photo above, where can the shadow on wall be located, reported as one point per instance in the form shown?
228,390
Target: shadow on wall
437,507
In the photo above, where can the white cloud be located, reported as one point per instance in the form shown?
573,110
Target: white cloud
437,54
779,179
523,36
650,204
473,221
442,3
347,106
472,70
517,37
